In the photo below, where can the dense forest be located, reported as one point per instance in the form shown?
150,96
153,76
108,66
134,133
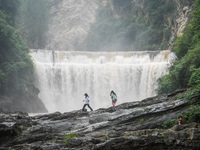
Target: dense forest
17,90
125,26
31,18
16,68
185,73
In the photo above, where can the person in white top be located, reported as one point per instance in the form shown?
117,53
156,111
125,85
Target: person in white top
87,102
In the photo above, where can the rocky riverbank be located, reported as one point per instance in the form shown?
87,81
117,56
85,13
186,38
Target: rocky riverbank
135,125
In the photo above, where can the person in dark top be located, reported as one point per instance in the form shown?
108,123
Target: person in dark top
180,120
87,102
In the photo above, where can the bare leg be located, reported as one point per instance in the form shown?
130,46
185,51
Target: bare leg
114,102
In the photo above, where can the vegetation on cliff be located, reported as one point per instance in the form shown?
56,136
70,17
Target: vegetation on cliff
15,63
186,70
17,91
127,25
33,22
192,115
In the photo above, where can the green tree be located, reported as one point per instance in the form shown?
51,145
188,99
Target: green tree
34,15
195,81
10,8
192,115
128,27
16,68
169,123
185,71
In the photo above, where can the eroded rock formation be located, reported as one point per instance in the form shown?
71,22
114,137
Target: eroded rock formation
127,126
29,102
70,23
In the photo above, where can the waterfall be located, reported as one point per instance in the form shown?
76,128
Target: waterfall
63,77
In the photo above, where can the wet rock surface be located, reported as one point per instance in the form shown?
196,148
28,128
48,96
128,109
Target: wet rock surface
127,126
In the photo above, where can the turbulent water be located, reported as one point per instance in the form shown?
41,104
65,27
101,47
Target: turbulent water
63,77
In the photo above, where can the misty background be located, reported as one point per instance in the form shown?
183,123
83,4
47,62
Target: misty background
100,25
70,25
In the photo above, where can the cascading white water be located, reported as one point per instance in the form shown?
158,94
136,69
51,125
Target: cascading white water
63,77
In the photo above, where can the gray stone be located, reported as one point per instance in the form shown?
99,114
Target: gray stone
128,126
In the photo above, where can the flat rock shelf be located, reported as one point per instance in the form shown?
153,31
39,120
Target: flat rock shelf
132,125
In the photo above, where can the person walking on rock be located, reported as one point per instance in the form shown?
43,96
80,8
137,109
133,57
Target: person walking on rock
87,102
113,97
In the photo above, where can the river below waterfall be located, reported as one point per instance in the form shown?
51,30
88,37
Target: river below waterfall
63,77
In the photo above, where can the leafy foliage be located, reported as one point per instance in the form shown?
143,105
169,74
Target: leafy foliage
10,8
187,95
182,44
193,115
169,123
15,64
185,72
33,21
137,112
69,136
118,29
195,81
106,137
177,79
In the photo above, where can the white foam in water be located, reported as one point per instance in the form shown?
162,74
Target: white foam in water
63,77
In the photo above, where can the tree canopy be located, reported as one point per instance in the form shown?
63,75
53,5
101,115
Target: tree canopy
128,27
185,71
16,67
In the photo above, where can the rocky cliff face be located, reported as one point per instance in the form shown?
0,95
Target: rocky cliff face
127,126
29,102
70,24
72,20
183,10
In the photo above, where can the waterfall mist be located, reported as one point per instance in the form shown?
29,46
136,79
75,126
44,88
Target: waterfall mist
63,77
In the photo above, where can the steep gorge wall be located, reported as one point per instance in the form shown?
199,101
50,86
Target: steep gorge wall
183,10
70,23
72,20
